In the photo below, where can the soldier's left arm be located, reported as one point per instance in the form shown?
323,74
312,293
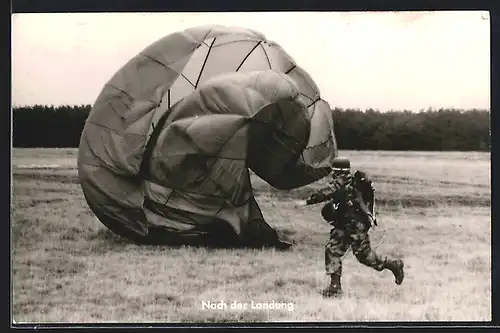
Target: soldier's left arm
371,197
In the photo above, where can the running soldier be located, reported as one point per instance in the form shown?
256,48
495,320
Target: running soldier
350,212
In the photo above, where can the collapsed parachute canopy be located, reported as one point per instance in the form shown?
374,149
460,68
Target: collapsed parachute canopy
171,138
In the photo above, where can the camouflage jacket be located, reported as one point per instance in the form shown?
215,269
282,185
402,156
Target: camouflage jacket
348,198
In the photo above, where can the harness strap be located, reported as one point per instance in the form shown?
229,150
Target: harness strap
363,207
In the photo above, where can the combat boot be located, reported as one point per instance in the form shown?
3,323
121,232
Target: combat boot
335,288
396,267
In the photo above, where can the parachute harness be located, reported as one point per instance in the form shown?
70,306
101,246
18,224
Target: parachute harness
381,239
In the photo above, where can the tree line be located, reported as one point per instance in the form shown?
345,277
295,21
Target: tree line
429,130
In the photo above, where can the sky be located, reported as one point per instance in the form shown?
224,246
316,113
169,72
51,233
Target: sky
379,60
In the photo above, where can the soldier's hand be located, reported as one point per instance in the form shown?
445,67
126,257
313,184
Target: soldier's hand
316,197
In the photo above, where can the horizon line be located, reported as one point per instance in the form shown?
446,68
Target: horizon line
429,108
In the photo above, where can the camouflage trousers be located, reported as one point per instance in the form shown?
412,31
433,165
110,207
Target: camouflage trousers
352,234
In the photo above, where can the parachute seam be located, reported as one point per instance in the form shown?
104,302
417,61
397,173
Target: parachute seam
112,129
284,125
209,155
314,102
225,200
204,107
178,190
238,41
191,141
114,110
270,134
223,197
267,57
108,166
169,196
311,147
218,150
309,167
313,110
228,139
166,66
148,149
295,115
155,60
124,102
185,78
249,53
322,143
220,208
277,130
208,33
291,69
151,205
301,93
204,63
131,99
188,198
281,117
186,191
123,92
194,223
245,201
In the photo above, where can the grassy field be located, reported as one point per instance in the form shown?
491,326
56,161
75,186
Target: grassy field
433,209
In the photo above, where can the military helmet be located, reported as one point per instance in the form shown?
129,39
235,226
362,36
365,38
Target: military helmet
341,164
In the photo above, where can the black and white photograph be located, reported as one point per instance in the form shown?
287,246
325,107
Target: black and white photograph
251,167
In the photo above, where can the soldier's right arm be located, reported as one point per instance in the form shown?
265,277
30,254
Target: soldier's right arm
331,192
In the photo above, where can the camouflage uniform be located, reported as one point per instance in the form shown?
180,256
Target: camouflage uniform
351,220
349,230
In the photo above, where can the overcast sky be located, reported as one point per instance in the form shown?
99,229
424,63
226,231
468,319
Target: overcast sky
384,60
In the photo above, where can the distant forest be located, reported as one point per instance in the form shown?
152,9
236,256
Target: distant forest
430,130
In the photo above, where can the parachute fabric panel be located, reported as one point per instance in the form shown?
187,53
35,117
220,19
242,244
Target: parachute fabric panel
203,150
172,135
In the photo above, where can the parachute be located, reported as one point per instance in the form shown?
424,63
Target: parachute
169,143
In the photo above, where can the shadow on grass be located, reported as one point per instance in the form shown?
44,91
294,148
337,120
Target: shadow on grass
430,201
195,241
45,175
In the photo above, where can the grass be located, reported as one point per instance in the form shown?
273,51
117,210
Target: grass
434,211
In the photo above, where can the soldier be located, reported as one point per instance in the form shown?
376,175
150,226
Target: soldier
349,197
